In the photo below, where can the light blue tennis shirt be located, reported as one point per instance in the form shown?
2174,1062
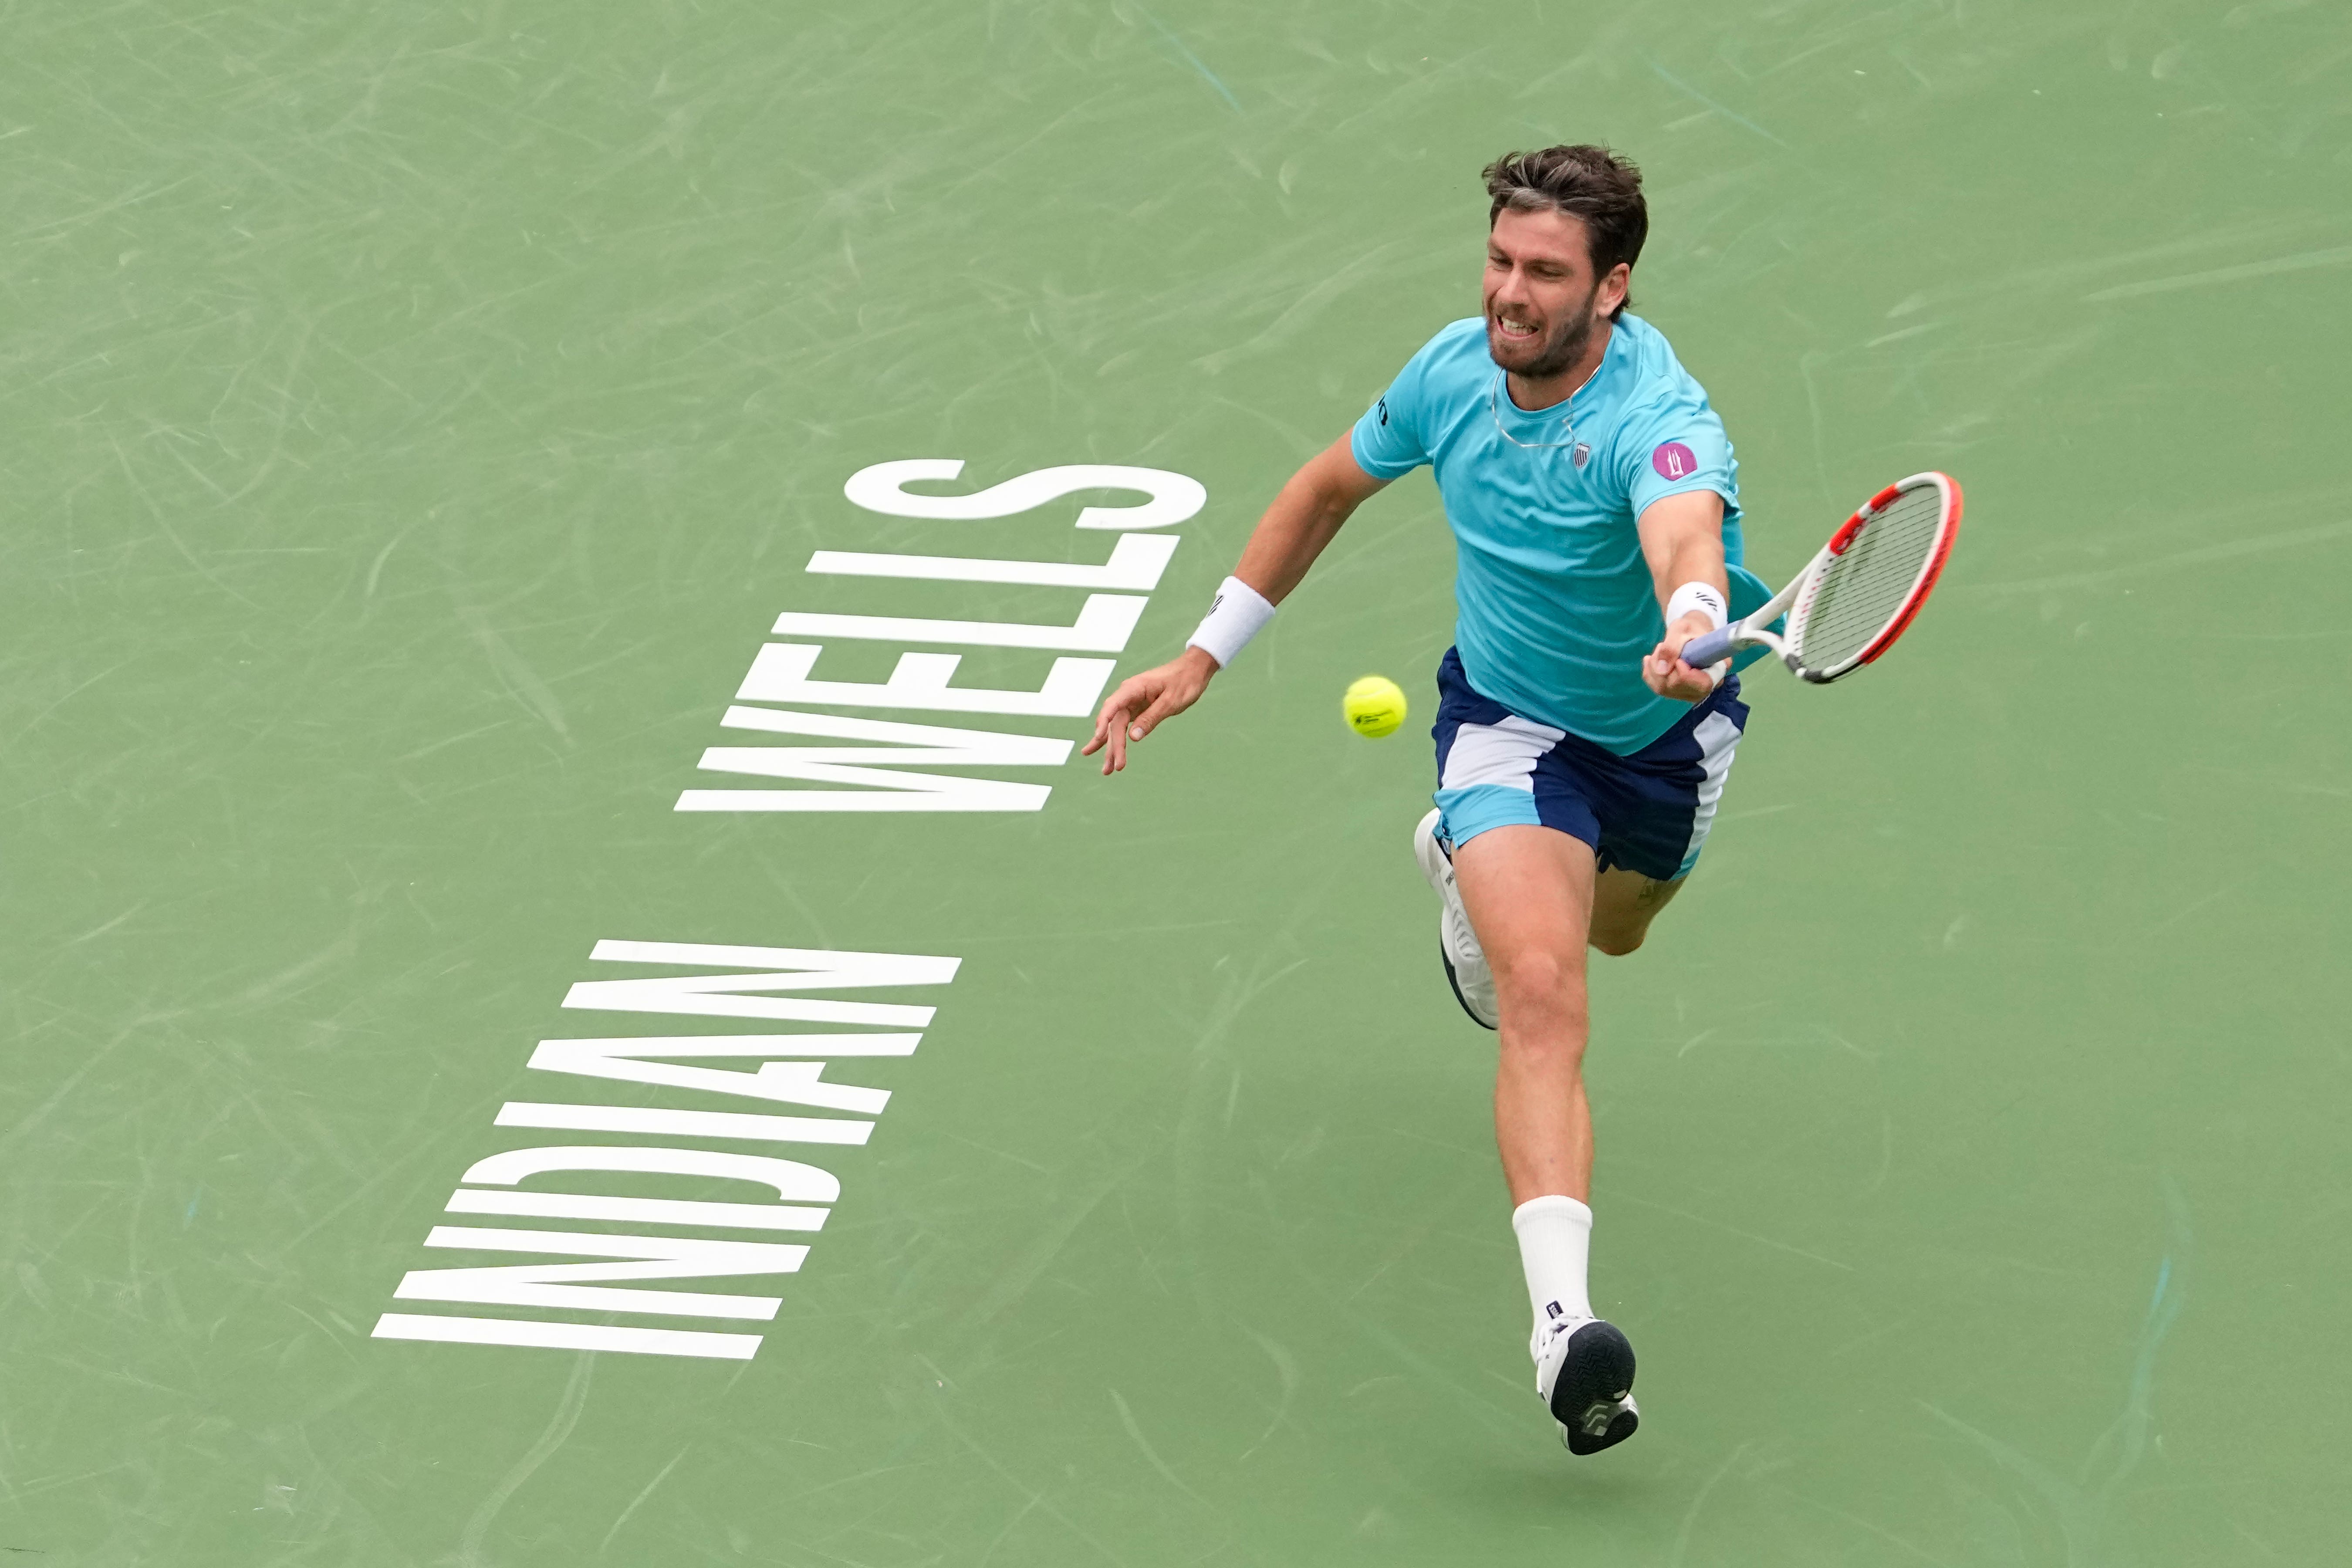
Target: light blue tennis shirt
1556,607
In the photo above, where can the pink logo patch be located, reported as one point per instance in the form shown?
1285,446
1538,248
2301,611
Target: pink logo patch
1675,461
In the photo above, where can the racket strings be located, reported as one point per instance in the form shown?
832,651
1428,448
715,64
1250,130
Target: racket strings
1863,590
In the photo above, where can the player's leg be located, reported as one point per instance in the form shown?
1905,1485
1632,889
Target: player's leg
1518,817
1655,810
1624,902
1527,891
1488,758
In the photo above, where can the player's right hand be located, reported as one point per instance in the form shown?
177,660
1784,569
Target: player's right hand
1135,710
1665,673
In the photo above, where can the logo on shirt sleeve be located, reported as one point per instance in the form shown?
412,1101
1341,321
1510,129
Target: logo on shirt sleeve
1384,410
1675,461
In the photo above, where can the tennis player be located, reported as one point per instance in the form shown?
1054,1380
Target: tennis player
1593,500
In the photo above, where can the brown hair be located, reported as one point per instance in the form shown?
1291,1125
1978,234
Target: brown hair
1585,182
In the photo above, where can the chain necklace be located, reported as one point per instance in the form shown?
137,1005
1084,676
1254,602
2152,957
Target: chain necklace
1494,406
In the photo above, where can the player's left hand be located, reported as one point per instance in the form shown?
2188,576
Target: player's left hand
1665,673
1143,701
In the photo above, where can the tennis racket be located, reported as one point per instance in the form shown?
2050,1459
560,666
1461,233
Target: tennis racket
1861,589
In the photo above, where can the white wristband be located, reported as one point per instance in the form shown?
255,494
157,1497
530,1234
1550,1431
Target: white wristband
1692,596
1707,599
1237,614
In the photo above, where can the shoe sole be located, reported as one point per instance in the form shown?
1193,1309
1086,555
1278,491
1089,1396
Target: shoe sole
1433,862
1591,1398
1455,986
1428,856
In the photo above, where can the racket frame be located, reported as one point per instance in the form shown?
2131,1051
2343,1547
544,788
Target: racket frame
1797,597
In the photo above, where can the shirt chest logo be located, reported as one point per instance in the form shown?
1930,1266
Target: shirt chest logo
1675,461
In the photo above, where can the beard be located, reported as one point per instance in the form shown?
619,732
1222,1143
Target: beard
1549,355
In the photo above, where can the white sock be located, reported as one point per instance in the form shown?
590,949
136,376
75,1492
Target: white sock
1555,1240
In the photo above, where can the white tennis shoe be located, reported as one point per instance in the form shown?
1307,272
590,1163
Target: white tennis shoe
1584,1370
1457,944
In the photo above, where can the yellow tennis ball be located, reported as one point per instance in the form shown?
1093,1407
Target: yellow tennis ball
1374,707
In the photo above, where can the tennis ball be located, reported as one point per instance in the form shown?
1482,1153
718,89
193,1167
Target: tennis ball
1374,707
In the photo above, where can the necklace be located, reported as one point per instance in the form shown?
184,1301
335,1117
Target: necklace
1495,408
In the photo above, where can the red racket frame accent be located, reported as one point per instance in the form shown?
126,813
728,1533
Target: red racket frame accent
1853,525
1935,567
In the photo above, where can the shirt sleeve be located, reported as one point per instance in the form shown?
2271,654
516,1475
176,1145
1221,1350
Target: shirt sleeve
1672,445
1387,442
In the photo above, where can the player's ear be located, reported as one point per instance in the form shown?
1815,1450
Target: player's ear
1613,290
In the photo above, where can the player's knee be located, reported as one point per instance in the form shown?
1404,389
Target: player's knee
1542,1040
1539,977
1618,941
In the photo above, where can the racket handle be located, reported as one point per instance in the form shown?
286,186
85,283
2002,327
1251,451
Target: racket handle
1709,647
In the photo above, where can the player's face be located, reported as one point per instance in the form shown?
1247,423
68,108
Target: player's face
1543,303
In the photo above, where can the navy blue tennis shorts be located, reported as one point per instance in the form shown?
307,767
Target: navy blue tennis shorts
1648,812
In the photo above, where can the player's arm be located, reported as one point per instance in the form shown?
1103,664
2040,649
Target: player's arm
1302,519
1682,541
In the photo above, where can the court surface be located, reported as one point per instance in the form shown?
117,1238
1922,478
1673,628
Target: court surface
417,419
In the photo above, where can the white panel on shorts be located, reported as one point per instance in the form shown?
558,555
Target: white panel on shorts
1717,737
1502,753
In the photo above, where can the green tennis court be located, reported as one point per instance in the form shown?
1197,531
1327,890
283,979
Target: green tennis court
419,420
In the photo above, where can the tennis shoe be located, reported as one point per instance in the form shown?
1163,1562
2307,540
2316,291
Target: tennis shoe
1584,1370
1457,943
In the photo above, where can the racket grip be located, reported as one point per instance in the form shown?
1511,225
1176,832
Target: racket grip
1709,647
